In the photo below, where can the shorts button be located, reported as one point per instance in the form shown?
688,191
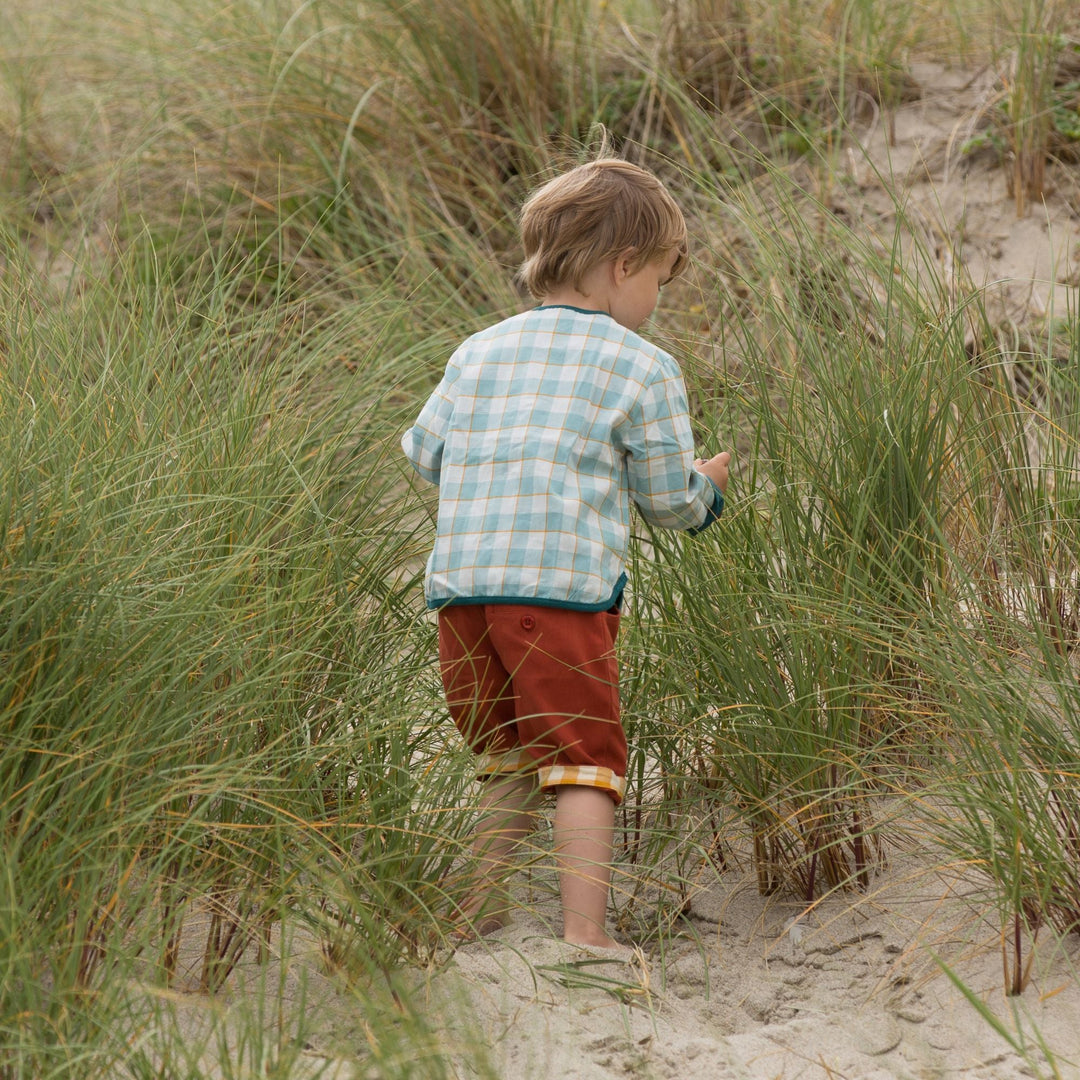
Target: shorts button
527,622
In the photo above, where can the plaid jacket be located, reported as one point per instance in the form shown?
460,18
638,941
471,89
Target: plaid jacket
542,431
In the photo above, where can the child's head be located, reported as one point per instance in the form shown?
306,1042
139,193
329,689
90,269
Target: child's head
593,213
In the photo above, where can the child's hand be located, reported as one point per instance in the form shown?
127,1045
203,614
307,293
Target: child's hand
715,468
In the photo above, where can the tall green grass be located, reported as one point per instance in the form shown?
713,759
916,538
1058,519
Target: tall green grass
236,253
213,673
1033,37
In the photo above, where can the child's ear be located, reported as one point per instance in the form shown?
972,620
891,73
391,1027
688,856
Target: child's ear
624,266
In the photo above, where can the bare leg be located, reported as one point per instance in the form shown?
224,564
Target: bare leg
584,835
508,813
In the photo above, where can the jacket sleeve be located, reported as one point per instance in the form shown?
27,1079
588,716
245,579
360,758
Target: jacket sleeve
659,448
423,443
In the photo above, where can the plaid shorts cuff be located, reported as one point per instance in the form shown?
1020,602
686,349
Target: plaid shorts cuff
583,776
512,761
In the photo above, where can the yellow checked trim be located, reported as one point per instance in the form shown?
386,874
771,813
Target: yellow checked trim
582,776
549,776
513,761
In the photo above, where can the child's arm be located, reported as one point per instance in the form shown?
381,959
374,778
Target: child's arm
671,487
423,442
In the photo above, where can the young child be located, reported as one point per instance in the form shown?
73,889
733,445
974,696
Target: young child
542,432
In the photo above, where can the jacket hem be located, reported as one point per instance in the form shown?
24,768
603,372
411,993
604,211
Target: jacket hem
614,600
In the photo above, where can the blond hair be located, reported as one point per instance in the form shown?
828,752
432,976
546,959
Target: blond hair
593,213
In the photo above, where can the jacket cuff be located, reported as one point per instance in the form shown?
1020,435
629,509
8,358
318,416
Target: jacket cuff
713,512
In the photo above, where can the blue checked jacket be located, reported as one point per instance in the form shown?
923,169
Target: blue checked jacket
543,430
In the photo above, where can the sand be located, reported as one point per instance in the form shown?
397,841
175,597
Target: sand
1023,267
754,987
746,987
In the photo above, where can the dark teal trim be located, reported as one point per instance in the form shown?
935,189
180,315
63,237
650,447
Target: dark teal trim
536,601
570,307
714,511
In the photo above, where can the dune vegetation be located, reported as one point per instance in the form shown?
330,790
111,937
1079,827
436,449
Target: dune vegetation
237,242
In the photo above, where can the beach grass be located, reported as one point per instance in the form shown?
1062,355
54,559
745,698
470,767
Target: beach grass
236,249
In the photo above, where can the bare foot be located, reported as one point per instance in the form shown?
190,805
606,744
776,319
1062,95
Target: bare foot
593,941
489,924
473,922
616,953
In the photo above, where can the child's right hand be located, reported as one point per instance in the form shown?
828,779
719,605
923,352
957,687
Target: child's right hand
715,468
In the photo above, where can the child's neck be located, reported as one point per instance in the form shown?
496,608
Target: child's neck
592,295
574,299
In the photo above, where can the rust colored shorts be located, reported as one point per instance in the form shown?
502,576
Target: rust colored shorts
536,689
